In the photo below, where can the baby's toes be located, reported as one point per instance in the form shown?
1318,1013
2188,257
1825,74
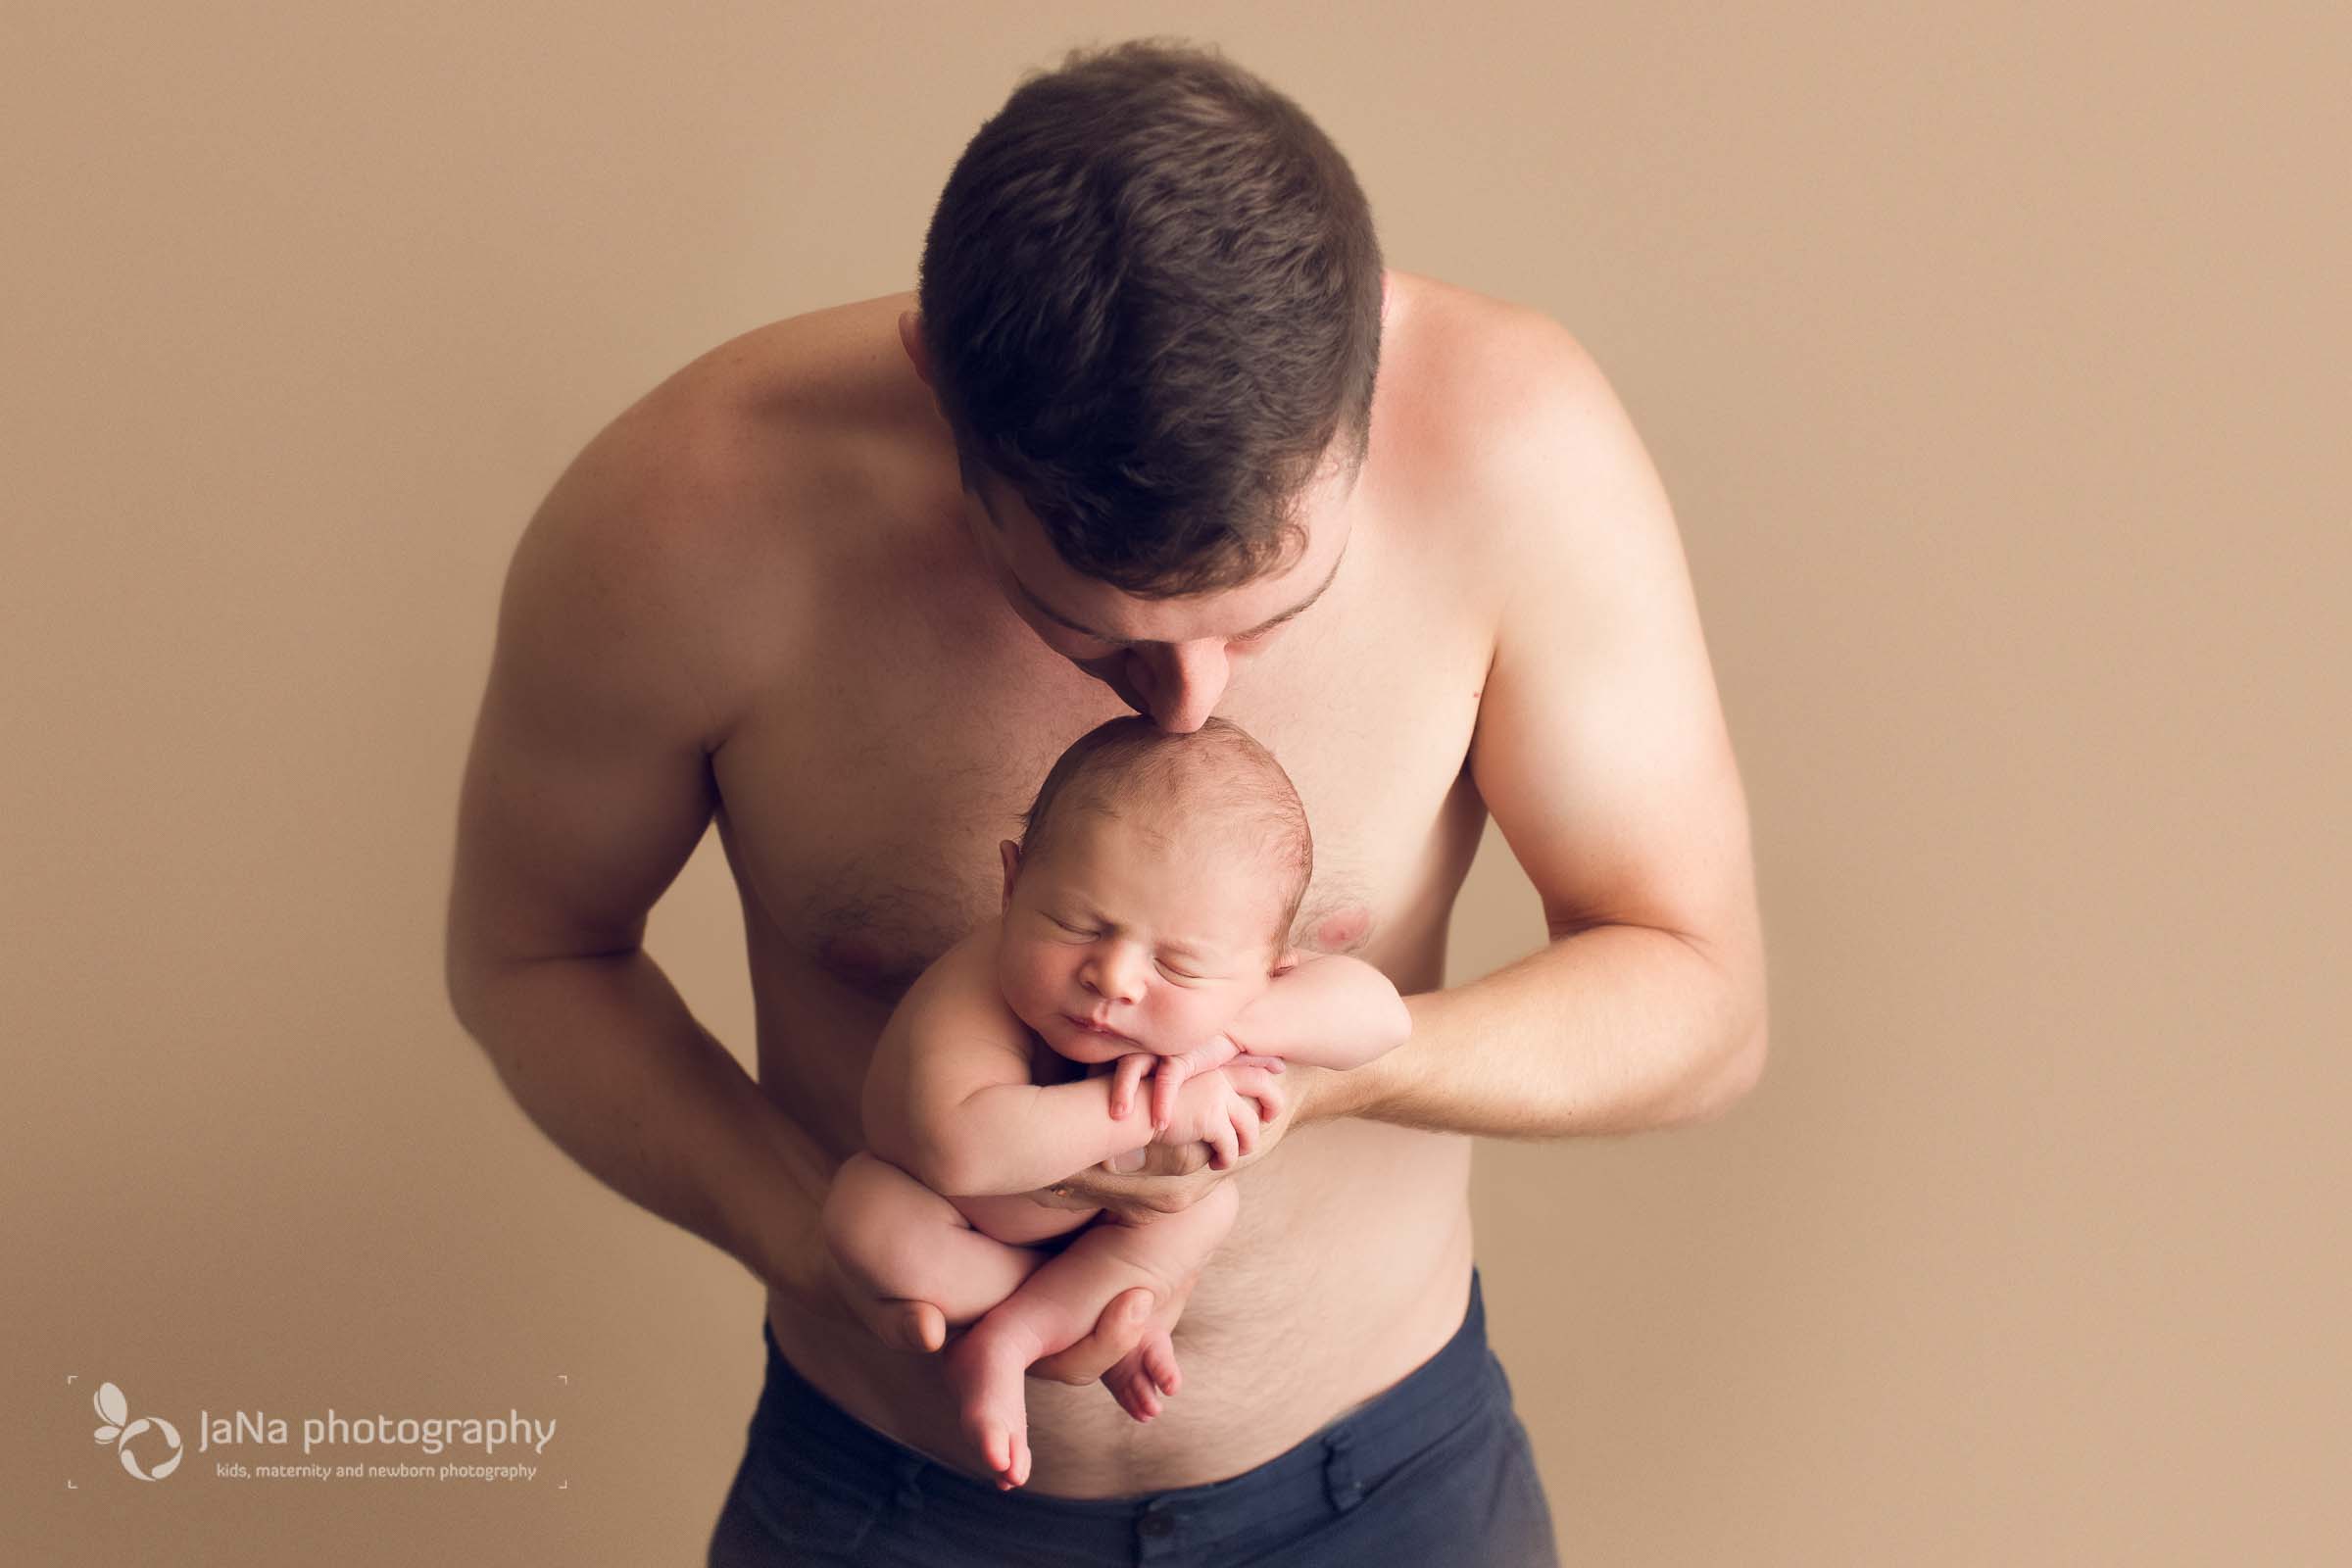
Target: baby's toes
1159,1363
1130,1383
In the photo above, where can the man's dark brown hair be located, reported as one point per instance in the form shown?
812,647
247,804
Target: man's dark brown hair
1150,293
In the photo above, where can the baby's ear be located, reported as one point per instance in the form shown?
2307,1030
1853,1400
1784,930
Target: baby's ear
1010,853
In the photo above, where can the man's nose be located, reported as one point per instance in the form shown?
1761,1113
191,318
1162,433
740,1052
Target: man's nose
1183,684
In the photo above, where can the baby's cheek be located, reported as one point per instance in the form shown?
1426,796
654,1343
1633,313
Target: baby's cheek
1207,1019
1028,991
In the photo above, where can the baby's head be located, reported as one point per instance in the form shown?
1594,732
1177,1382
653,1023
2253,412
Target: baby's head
1150,898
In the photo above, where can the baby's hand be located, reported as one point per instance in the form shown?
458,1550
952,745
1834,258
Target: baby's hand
1176,1071
1224,1109
1169,1074
1129,1071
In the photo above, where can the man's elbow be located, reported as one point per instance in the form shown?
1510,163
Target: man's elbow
467,965
469,975
1730,1079
460,980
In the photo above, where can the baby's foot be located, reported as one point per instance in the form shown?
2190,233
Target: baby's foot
996,1416
1143,1376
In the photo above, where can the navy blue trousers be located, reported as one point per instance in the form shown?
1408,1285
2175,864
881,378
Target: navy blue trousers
1435,1473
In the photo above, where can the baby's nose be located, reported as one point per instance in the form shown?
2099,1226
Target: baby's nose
1116,977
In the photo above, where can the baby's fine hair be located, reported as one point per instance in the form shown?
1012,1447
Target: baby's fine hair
1218,777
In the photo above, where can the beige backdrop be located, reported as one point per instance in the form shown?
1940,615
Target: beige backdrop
1997,364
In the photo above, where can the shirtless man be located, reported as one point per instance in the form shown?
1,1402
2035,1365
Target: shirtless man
764,594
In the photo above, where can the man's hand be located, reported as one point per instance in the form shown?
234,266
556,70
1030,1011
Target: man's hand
1169,1176
1117,1331
839,1294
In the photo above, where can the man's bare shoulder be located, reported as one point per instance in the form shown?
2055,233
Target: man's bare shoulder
725,495
1498,404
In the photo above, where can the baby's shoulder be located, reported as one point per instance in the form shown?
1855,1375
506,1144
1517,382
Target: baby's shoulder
964,976
956,1014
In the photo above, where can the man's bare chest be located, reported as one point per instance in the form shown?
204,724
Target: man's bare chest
862,816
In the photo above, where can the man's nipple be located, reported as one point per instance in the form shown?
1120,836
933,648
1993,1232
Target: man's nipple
1343,929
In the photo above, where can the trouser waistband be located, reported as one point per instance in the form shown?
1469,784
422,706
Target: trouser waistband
1330,1469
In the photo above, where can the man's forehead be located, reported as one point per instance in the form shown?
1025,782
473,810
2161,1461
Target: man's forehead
1055,592
1231,596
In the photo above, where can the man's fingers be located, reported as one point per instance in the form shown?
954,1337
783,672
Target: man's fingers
921,1327
898,1322
1116,1332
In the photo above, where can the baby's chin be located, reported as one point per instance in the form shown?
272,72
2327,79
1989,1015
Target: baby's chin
1081,1045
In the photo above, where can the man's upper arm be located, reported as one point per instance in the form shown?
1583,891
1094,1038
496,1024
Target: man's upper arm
589,782
1600,747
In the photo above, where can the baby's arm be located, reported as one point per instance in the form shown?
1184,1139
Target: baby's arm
978,1126
1330,1011
1327,1011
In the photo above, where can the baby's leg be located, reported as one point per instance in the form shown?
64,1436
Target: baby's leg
1057,1306
901,1241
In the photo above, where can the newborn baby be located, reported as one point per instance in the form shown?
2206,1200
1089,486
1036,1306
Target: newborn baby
1144,933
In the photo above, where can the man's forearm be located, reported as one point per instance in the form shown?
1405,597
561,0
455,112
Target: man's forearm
1614,1029
602,1055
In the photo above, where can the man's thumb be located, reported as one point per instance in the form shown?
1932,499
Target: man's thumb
920,1327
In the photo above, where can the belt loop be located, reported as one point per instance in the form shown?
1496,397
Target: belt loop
908,1493
1339,1484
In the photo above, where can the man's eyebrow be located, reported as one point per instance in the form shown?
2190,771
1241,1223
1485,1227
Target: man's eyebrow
1258,631
1056,615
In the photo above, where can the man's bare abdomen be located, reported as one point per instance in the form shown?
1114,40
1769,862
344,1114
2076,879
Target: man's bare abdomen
1348,1266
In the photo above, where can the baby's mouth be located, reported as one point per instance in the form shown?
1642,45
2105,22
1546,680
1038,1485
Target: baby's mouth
1093,1028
